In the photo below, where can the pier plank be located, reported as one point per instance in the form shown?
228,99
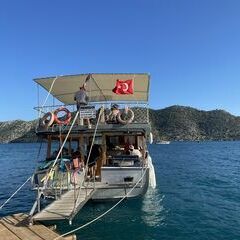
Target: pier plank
16,227
40,230
6,234
21,232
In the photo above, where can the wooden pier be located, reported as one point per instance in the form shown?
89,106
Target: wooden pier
16,227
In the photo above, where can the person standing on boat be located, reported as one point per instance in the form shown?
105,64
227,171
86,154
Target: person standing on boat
81,99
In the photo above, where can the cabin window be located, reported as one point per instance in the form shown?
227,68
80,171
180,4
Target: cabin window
130,140
115,141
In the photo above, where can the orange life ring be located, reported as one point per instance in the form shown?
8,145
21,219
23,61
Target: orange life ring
129,120
68,116
47,120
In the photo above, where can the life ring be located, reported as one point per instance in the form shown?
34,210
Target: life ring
129,120
47,120
67,117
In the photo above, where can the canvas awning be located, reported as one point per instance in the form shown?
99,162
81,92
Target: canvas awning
99,88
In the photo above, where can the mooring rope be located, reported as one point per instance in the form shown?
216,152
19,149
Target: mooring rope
49,92
38,151
90,150
106,212
14,193
18,189
60,150
94,136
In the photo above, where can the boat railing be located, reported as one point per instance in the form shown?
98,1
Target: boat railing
140,111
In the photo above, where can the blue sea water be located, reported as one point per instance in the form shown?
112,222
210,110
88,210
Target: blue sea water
197,195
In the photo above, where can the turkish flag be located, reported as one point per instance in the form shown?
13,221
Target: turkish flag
124,87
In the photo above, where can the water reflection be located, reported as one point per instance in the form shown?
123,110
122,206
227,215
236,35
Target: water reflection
152,208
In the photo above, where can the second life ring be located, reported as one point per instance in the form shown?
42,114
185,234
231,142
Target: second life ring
67,117
129,119
47,120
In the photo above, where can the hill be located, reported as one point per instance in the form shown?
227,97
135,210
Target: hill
17,131
186,123
172,123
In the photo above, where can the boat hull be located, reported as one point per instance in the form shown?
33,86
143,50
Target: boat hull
113,185
114,191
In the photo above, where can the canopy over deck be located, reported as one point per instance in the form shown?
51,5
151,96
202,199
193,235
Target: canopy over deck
99,87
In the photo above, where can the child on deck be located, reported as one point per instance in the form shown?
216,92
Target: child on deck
77,165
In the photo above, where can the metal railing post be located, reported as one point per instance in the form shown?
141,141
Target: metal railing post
38,201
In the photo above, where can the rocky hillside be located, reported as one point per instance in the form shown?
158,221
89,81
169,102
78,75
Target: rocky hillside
172,123
17,131
186,123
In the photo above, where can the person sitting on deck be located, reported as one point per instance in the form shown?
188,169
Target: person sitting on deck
112,117
134,152
81,99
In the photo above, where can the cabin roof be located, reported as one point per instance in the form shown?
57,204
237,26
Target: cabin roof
99,87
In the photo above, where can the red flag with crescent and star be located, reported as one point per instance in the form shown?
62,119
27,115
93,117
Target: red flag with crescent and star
123,87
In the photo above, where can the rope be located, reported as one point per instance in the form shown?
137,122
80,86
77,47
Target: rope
49,92
94,135
60,150
90,151
14,193
38,154
39,150
98,88
105,213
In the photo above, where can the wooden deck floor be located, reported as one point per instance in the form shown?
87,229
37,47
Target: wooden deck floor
16,227
64,207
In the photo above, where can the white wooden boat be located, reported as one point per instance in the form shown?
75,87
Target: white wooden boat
116,172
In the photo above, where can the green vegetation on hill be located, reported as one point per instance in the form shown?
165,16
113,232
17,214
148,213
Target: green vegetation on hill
172,123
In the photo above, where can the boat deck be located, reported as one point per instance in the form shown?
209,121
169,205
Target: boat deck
65,207
133,127
16,227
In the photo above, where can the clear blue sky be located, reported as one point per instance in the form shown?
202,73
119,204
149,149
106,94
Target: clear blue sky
191,48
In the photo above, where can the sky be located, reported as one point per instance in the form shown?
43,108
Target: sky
191,48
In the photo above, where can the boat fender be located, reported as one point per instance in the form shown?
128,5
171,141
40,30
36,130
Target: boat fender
68,116
150,138
129,120
47,120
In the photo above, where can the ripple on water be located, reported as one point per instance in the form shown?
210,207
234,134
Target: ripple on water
153,209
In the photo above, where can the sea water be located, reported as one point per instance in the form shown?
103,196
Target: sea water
197,194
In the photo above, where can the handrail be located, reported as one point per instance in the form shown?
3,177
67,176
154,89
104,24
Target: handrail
86,170
94,103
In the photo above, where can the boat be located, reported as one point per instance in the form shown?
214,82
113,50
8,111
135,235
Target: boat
106,159
163,142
